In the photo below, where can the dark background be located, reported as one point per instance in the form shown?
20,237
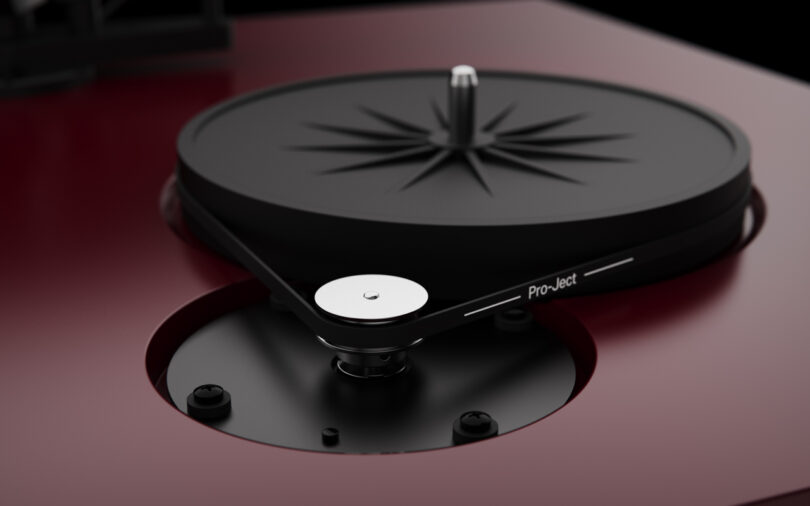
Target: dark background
769,34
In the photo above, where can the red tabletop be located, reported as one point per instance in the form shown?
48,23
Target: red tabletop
699,395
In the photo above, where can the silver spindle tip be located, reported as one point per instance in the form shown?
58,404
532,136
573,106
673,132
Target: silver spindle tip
463,76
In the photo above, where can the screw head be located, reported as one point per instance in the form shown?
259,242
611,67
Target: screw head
514,314
476,422
514,321
371,295
208,394
208,402
474,426
330,436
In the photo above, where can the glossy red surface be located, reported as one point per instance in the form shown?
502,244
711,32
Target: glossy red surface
699,392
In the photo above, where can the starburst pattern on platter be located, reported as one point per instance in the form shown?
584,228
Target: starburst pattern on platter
520,148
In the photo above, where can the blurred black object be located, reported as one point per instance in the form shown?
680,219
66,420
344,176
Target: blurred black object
54,43
46,42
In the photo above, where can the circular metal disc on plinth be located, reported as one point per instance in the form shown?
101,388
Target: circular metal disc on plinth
371,298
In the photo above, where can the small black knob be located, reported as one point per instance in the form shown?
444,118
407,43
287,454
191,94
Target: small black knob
208,402
208,394
514,321
330,436
473,426
475,421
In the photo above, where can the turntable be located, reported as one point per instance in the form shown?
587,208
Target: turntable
496,283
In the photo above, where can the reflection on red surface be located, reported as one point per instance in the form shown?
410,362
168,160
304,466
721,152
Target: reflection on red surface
697,394
638,311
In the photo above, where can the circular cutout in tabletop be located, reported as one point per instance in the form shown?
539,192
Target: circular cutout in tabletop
285,393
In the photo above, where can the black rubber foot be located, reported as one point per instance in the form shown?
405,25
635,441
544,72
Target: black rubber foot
209,402
474,426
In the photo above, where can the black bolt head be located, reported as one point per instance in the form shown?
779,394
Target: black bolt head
208,394
208,402
514,321
474,426
330,436
476,421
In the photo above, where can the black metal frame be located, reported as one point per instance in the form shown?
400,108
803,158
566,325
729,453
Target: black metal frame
596,275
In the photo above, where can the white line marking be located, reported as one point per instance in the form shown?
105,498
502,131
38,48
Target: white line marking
492,305
615,264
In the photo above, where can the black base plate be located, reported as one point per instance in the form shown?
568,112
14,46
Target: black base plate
285,390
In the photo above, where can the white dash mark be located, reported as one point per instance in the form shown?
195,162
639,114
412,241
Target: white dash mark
615,264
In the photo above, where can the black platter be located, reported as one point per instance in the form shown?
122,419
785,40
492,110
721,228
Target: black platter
356,174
